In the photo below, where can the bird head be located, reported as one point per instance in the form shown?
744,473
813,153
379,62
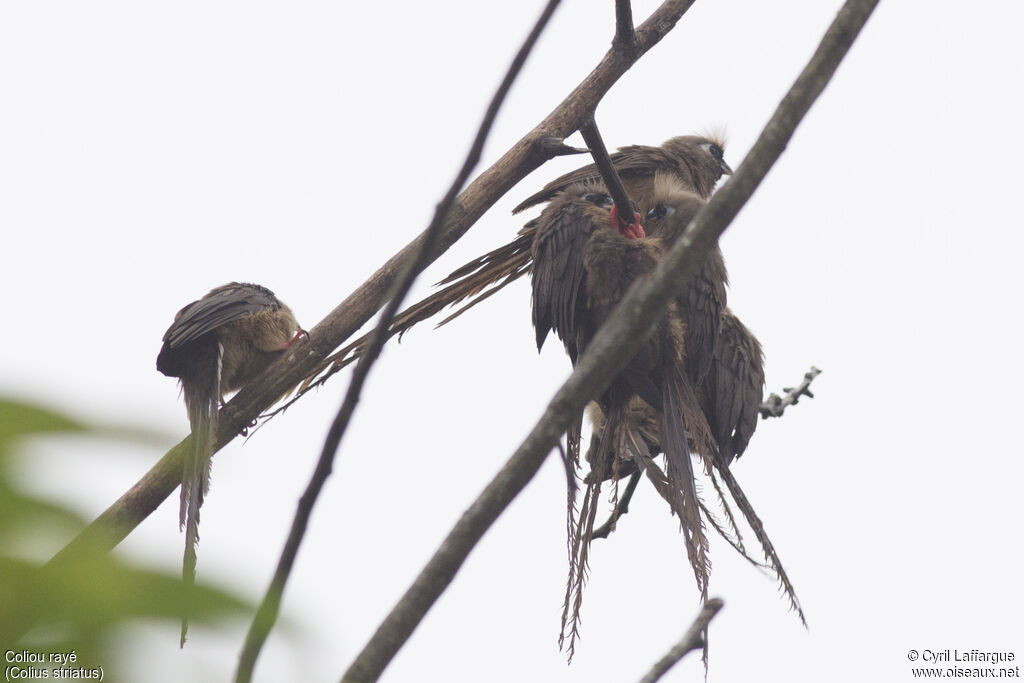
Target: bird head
671,208
703,157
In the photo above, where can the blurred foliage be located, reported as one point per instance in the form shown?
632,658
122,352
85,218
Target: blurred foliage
84,601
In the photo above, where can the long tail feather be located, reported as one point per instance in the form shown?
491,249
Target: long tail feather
769,550
583,530
202,395
679,469
732,534
477,280
572,463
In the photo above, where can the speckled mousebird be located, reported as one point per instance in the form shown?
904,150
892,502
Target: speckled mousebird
724,358
215,346
696,161
583,264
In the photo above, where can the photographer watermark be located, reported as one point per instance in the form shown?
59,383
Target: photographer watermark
953,663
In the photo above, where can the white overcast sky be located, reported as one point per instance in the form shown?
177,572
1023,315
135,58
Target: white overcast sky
151,151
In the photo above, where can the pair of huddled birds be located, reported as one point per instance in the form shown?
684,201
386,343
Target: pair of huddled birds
691,391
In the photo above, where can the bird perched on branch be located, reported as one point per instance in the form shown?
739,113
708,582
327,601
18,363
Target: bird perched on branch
723,360
215,346
696,161
706,363
669,208
584,260
691,162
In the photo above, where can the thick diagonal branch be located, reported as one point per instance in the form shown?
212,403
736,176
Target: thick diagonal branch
592,136
612,346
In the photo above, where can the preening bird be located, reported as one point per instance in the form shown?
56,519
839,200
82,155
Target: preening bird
215,346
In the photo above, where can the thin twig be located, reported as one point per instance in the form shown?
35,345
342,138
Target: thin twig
267,613
692,640
612,347
555,147
775,405
128,511
592,136
621,507
625,38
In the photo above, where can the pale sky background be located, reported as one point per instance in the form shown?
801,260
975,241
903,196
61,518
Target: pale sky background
149,152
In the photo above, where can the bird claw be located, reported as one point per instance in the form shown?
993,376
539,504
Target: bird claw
301,334
633,231
245,429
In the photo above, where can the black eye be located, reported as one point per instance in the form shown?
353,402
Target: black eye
714,149
599,199
660,211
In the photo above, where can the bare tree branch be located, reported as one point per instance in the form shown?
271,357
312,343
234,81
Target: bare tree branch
612,347
625,38
621,507
592,136
536,147
692,640
775,406
268,610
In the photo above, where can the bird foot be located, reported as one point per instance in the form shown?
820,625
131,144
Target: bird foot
301,334
245,429
633,231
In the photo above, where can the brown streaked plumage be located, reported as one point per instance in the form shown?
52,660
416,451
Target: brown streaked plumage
722,358
215,346
696,160
670,207
582,267
732,391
